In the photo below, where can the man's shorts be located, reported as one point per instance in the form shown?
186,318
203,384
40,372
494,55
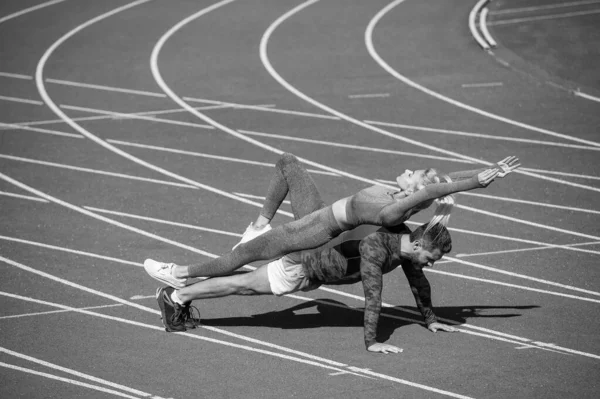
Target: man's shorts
286,276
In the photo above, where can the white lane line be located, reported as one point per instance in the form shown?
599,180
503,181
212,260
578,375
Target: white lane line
18,316
121,115
368,33
265,109
21,100
543,17
95,171
473,26
28,10
349,146
487,84
544,7
481,135
73,251
16,75
539,280
484,29
39,79
341,293
485,332
205,155
74,372
328,364
521,221
86,212
9,126
523,276
586,96
551,172
292,89
67,380
161,221
258,197
509,251
385,66
21,196
535,203
106,88
484,280
375,95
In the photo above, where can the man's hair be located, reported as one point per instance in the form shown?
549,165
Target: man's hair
432,237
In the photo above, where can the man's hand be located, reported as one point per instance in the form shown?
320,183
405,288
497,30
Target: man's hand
440,326
384,348
507,165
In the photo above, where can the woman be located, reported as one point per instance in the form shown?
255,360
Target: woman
376,205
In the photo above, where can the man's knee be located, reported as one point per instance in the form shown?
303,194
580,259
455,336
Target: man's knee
253,283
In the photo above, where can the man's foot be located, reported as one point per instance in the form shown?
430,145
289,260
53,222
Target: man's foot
251,233
163,273
173,316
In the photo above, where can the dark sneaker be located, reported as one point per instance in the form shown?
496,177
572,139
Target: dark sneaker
173,316
189,312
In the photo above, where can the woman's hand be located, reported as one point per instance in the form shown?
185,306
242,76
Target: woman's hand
487,176
507,165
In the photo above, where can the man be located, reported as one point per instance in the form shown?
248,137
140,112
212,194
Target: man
363,254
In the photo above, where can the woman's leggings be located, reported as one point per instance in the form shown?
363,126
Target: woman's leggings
314,224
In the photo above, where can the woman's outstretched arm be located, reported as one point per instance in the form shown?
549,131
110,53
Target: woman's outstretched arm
392,214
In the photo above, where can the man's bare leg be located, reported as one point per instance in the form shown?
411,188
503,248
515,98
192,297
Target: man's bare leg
254,283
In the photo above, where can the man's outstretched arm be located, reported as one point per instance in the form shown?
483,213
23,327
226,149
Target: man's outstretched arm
373,254
421,289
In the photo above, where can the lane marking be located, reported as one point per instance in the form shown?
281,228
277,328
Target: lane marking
105,88
484,29
21,100
134,116
350,146
472,25
6,126
496,335
543,17
484,280
95,171
393,72
523,276
544,7
586,96
205,155
18,316
21,196
67,380
376,95
73,251
16,75
481,135
488,84
508,251
30,9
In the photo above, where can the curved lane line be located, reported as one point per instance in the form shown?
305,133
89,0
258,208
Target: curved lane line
28,10
473,26
39,79
284,83
278,78
397,75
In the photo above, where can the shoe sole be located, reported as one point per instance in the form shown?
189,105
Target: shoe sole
156,276
163,313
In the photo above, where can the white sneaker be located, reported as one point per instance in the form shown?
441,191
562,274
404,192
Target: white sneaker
162,272
251,233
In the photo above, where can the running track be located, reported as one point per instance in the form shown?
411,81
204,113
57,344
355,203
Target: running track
149,129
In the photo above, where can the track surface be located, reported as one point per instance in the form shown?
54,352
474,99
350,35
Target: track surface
149,129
